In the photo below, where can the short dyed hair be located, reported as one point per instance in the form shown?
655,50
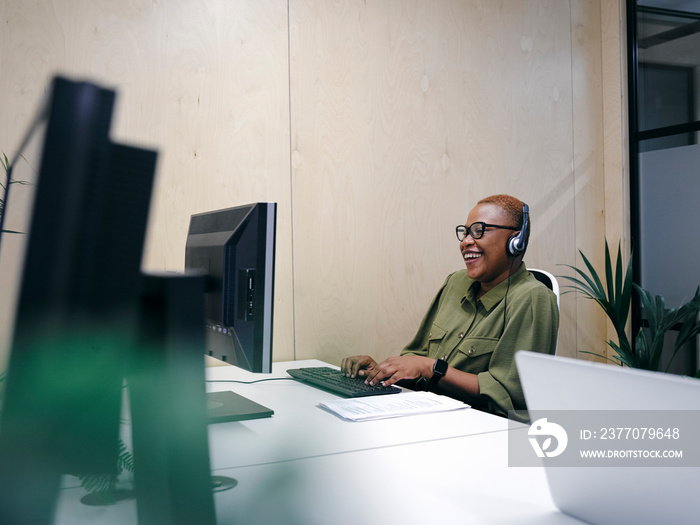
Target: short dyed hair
513,208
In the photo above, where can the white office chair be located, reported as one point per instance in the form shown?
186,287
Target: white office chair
550,282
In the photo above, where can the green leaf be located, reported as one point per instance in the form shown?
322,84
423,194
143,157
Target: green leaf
624,354
596,284
612,360
687,315
641,350
626,294
609,273
587,288
104,483
125,459
614,297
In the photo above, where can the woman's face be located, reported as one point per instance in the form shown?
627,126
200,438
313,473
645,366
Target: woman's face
486,258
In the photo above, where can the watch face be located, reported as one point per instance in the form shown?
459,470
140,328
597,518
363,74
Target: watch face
439,370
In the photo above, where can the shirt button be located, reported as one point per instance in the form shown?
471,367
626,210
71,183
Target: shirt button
471,351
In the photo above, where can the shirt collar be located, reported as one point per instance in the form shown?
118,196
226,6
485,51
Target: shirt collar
496,295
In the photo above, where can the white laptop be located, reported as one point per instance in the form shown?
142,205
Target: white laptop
614,495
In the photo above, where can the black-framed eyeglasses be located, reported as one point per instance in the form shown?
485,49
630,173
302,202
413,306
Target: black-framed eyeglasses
477,229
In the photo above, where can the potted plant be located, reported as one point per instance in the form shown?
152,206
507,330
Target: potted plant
6,166
8,180
615,296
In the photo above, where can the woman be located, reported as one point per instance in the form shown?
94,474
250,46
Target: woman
481,316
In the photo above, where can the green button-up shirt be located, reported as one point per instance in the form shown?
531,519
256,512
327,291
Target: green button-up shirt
473,336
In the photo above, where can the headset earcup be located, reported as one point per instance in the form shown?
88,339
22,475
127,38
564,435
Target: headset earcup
512,246
517,244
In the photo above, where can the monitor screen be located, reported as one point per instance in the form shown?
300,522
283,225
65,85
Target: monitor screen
235,249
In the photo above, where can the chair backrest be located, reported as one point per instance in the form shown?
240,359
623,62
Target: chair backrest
550,282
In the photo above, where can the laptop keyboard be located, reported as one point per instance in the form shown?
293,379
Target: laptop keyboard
336,382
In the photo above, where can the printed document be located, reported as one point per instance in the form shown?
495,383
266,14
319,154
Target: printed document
387,406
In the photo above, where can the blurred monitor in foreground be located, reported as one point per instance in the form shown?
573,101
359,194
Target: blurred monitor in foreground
75,270
82,320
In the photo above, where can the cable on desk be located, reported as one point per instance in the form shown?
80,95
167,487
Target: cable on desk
249,382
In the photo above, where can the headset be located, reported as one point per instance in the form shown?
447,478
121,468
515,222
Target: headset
517,244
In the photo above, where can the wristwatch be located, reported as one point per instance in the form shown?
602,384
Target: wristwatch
439,370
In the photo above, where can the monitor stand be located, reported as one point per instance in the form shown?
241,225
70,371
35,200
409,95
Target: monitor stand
172,472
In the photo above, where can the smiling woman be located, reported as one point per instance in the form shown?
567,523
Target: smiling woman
488,231
481,316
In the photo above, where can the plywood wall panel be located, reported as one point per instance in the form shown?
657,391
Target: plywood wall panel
404,114
615,132
204,83
376,126
589,201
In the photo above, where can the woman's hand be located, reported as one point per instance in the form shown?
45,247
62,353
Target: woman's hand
357,365
397,368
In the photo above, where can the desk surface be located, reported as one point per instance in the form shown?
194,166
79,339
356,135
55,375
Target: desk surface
462,480
306,466
300,429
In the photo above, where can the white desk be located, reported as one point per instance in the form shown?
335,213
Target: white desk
462,480
300,429
306,466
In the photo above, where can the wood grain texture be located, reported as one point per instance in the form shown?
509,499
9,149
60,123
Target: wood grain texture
616,134
376,126
404,114
589,199
204,83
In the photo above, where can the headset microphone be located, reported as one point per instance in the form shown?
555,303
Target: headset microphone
517,244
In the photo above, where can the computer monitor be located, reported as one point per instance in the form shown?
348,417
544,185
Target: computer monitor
235,249
77,300
78,310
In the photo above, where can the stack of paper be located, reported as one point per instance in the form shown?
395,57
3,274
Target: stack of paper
382,407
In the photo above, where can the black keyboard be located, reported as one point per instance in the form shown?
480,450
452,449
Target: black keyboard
334,381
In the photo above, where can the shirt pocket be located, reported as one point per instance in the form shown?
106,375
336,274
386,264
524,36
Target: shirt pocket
435,340
477,349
